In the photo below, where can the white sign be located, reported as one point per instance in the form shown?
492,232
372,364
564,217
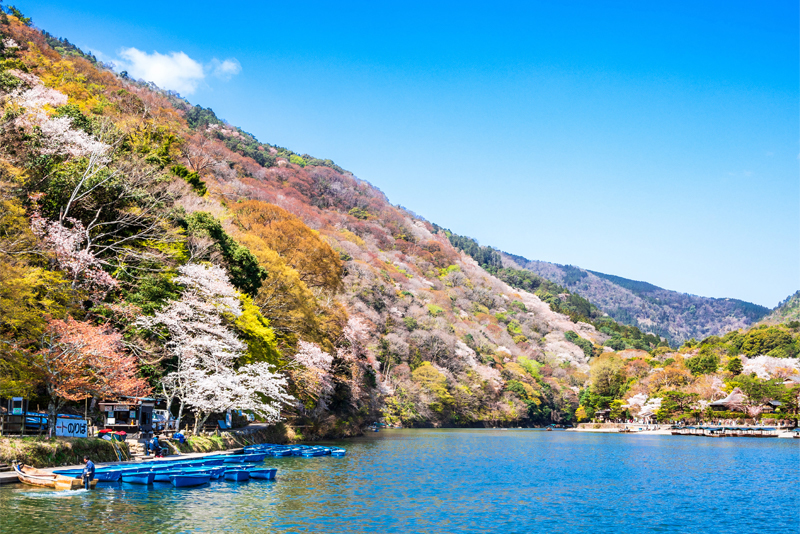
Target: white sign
71,428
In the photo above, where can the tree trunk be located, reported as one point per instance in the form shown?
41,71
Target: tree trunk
51,419
52,410
180,415
200,419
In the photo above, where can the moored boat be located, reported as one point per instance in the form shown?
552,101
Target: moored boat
237,475
139,478
253,457
264,473
182,480
100,475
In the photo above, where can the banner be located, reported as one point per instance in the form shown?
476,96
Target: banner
71,428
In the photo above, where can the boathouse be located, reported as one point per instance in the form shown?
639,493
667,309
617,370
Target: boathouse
129,414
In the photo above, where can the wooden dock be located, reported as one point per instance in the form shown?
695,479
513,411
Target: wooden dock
8,477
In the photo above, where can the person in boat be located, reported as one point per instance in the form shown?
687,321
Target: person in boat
88,472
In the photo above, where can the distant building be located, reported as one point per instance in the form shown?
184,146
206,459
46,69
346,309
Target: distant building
793,380
734,402
602,415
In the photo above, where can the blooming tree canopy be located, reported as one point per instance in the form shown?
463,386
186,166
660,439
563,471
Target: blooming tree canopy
33,108
69,245
312,376
80,360
207,351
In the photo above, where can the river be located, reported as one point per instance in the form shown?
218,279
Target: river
509,481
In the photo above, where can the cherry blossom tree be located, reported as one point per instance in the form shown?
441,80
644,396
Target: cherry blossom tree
69,246
312,376
31,110
207,350
353,354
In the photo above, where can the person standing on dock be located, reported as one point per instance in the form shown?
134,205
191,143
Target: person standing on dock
88,472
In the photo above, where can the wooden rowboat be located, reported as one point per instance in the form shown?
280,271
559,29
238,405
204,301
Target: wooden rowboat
36,477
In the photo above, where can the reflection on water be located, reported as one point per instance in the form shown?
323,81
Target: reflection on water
459,481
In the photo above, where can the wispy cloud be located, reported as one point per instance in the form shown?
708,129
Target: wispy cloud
225,69
174,70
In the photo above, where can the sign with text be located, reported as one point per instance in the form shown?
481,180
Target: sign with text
71,428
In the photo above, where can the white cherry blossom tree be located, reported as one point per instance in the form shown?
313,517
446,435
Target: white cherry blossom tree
207,350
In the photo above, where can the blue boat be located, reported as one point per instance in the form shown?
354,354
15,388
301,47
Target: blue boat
233,467
163,476
139,478
237,475
312,453
238,458
215,471
338,452
100,474
281,452
183,480
264,473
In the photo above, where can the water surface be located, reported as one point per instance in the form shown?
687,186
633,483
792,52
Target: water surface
523,481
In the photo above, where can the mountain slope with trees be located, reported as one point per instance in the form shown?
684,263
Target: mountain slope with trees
149,248
785,312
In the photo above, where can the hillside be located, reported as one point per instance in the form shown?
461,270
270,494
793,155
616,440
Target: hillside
785,312
149,248
669,314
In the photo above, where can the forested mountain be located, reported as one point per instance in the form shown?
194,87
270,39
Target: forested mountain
149,248
785,312
669,314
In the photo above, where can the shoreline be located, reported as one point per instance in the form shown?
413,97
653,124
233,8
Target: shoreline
638,428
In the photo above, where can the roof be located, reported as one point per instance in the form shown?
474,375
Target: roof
734,400
774,403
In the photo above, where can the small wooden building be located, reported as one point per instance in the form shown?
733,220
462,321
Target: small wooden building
602,415
129,414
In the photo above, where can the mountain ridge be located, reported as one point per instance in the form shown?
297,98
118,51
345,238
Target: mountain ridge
671,314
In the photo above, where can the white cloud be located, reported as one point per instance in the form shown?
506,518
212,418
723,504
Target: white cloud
225,69
174,70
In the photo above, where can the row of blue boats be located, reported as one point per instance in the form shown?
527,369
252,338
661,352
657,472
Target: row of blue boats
198,471
306,451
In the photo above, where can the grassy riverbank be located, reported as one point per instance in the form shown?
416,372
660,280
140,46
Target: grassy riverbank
279,433
43,452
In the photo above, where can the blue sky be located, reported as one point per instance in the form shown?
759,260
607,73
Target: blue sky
654,141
